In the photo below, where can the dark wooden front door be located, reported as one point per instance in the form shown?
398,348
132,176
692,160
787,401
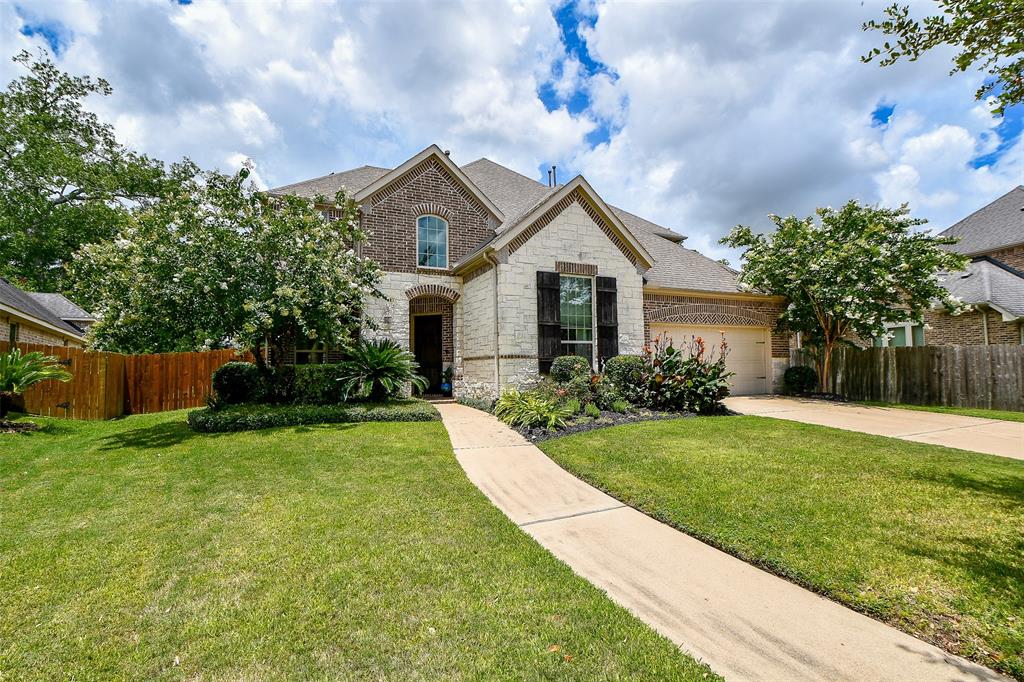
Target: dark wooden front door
426,333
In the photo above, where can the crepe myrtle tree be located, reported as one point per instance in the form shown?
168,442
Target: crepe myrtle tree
221,264
847,273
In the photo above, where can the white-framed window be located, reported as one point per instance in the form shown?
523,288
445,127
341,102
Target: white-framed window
900,335
310,352
576,308
431,242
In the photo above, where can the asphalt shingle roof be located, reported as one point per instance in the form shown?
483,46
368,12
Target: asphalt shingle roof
62,307
987,281
24,303
516,195
998,225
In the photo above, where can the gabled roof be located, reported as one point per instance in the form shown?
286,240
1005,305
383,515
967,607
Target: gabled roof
515,195
996,226
62,307
456,172
987,281
13,299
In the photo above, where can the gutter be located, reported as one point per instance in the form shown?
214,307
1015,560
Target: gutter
497,357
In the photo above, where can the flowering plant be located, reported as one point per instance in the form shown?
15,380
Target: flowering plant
688,377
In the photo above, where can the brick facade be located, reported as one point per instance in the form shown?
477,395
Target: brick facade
30,333
389,217
1012,256
691,309
435,305
968,329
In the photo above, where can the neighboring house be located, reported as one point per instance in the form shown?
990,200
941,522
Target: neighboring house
494,275
51,319
993,283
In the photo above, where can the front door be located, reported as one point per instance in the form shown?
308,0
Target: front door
426,334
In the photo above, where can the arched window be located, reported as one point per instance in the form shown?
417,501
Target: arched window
431,242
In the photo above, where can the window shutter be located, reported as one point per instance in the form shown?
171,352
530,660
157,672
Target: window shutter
549,327
607,320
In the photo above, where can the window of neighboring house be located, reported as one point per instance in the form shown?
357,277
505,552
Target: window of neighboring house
901,335
576,301
431,242
310,352
12,334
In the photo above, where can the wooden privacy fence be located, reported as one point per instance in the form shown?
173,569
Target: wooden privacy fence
107,385
955,376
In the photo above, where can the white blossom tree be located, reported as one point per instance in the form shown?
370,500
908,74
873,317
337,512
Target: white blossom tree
848,273
221,264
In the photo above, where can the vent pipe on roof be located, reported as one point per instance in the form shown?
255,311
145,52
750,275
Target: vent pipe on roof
549,177
554,176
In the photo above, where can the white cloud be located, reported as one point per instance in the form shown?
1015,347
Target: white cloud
718,113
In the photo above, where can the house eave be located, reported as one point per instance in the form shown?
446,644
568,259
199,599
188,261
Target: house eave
732,295
31,319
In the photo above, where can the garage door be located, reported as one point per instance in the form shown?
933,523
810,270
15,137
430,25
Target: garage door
748,351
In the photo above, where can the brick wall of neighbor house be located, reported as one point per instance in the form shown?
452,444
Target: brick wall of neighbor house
571,236
1012,256
966,329
476,379
428,188
30,333
699,309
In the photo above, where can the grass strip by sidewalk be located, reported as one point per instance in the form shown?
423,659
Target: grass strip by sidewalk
923,537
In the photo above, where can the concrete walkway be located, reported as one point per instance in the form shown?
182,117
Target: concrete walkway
992,436
745,623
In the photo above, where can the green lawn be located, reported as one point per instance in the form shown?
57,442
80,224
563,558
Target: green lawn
927,538
1005,415
137,549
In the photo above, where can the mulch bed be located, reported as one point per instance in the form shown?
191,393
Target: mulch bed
17,427
583,423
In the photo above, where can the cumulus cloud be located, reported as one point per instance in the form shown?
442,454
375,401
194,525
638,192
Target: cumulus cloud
700,115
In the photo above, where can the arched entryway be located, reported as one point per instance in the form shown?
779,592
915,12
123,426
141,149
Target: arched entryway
432,337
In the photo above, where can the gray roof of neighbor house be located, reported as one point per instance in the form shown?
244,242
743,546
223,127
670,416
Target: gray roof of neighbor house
62,307
998,225
675,266
988,281
23,302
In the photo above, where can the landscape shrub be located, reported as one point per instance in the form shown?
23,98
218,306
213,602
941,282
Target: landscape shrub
566,368
625,374
255,417
377,370
621,406
318,385
592,410
529,409
238,382
689,378
579,388
573,405
799,379
483,404
604,392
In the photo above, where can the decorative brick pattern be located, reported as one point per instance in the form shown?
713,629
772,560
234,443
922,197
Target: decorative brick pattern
436,305
436,290
575,197
575,268
427,188
715,311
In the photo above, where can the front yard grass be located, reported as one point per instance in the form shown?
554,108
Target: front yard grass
923,537
139,549
1005,415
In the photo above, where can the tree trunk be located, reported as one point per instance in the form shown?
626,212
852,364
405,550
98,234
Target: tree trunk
826,366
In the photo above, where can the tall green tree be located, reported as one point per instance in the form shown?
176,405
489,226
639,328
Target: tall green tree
219,263
64,178
848,273
989,33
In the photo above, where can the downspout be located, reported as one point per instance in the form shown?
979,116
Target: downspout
984,323
497,358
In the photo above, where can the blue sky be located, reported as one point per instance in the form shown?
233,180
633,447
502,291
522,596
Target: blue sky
697,115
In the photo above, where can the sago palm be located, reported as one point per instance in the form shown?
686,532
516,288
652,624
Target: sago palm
377,370
20,372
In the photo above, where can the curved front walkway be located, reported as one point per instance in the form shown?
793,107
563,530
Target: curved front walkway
743,622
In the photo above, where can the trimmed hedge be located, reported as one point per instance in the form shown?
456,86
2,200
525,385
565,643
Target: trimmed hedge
565,368
255,417
318,385
238,382
799,379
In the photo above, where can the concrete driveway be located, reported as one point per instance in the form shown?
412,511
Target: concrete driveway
744,622
990,436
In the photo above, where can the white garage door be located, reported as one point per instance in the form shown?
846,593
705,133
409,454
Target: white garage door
748,351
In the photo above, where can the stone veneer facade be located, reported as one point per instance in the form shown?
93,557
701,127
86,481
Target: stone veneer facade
572,238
